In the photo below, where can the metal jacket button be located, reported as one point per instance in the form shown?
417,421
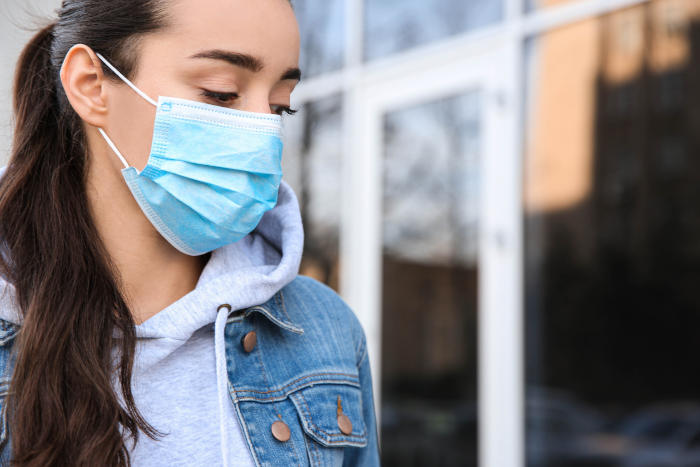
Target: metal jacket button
249,341
280,431
344,422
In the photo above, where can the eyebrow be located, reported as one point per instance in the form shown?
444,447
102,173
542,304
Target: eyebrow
246,61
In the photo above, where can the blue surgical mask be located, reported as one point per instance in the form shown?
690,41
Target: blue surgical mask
211,174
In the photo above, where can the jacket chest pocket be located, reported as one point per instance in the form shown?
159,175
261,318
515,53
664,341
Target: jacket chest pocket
313,425
331,418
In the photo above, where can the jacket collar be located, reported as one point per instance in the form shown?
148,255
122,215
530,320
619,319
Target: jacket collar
274,310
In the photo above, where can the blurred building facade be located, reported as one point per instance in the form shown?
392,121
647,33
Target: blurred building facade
538,235
613,239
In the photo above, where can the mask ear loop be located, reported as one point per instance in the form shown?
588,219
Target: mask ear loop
136,90
114,147
123,78
131,85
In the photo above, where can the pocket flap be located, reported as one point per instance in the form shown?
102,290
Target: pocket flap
332,414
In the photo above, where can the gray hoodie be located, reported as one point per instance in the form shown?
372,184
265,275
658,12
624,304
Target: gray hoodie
179,379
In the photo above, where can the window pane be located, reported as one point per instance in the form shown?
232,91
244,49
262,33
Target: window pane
322,29
311,165
536,4
613,240
396,25
430,225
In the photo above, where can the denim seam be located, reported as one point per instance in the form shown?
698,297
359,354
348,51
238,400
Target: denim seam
363,347
244,425
7,338
357,384
288,326
283,396
284,308
261,365
291,440
310,442
311,446
314,450
274,404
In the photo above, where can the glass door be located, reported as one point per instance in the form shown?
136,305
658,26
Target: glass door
433,253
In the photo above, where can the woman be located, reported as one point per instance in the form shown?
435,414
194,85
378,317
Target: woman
152,313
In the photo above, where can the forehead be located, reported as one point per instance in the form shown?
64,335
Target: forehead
263,28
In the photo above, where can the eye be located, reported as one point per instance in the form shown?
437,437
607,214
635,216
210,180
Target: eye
221,97
280,109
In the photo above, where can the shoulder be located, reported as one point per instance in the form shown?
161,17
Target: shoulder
318,308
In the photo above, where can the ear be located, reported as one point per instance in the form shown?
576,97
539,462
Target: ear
84,84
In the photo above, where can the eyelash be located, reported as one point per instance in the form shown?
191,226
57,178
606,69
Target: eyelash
225,97
219,96
287,110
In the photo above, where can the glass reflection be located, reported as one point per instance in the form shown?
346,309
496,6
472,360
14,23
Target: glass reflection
322,29
396,25
536,4
430,225
613,240
311,165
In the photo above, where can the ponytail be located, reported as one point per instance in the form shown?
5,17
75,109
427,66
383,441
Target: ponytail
34,101
62,408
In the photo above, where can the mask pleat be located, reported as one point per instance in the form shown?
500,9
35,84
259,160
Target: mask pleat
229,148
232,180
225,209
180,218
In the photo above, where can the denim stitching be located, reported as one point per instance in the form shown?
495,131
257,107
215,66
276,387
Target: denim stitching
309,442
274,407
267,382
313,450
284,308
269,315
291,438
302,378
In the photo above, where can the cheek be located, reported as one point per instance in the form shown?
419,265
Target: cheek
131,125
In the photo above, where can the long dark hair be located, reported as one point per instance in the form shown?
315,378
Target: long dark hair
62,408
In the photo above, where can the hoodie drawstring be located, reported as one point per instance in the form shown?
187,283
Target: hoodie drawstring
221,376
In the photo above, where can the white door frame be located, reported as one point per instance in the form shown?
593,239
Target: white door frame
487,67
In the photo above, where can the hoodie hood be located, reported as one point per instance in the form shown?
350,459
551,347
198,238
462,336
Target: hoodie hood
242,274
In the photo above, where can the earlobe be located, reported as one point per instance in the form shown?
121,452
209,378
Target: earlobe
83,82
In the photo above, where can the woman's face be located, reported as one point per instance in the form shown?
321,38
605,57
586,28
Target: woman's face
241,54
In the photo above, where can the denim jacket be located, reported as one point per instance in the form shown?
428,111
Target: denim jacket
307,368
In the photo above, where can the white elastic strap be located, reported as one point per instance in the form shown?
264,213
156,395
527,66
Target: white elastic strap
131,85
221,378
114,148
